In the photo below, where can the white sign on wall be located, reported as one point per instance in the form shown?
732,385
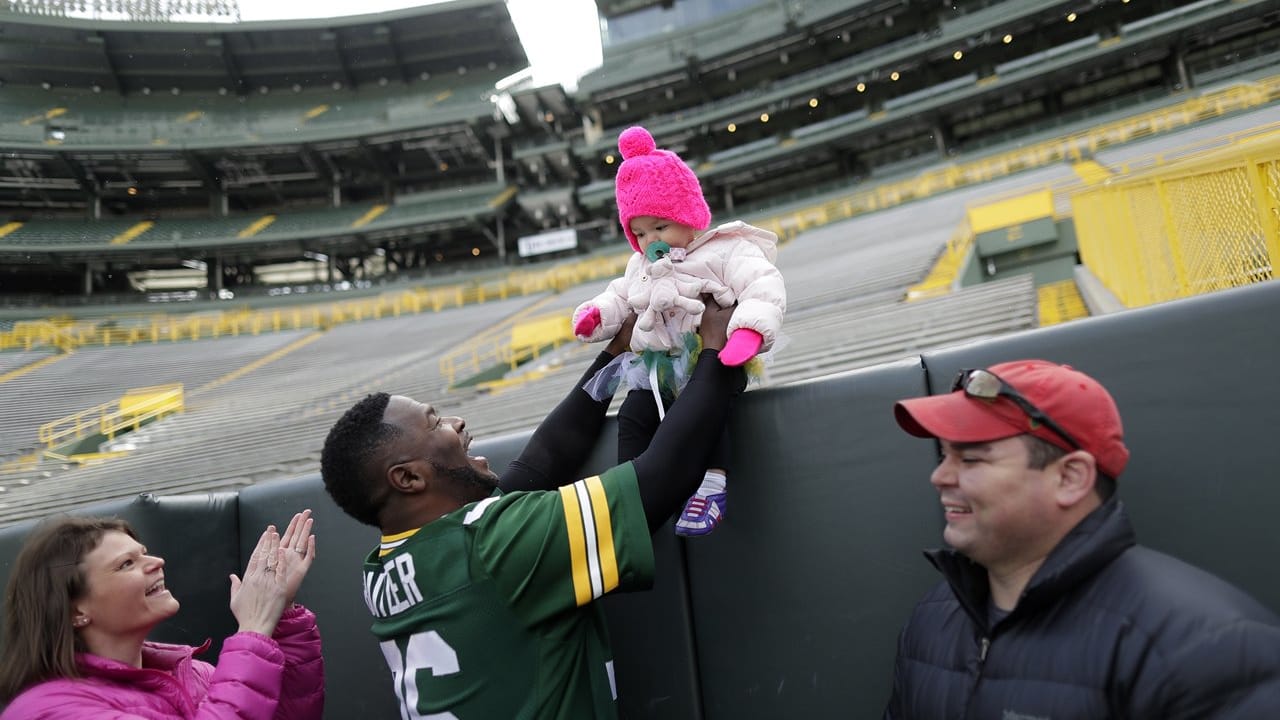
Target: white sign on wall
547,242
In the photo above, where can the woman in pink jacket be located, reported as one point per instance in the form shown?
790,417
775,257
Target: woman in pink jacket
84,594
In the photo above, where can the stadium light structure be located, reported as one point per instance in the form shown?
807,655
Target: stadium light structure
156,11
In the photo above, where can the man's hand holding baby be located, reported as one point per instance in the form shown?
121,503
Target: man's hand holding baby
743,345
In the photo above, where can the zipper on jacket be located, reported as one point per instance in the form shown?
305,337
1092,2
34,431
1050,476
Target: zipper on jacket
984,644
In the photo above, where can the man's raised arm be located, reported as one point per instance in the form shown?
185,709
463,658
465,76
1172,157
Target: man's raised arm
566,435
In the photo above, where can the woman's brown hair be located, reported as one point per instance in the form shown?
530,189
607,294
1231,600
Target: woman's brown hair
39,640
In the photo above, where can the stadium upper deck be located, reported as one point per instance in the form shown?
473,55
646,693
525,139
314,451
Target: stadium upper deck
802,94
143,118
358,51
149,145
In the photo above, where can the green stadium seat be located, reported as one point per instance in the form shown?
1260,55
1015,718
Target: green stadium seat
104,120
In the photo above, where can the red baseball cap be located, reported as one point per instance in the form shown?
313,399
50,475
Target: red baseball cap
1073,400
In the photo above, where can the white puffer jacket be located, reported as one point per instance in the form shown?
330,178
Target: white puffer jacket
733,262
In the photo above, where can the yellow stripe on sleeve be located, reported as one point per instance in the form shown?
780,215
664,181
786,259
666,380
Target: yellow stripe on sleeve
604,533
577,545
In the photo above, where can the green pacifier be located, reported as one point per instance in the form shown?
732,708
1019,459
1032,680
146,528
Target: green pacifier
656,251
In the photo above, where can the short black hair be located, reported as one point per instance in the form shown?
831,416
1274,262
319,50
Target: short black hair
1041,452
344,461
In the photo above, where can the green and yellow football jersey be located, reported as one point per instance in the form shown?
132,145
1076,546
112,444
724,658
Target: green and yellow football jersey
488,613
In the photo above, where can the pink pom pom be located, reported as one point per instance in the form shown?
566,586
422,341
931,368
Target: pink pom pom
635,141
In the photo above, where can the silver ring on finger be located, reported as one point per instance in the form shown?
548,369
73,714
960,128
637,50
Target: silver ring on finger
300,551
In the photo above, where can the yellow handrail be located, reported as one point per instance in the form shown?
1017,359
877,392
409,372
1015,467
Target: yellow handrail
73,427
499,346
942,276
156,402
129,410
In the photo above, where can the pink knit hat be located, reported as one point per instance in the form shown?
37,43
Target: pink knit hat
658,183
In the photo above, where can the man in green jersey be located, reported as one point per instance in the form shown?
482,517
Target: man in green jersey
483,588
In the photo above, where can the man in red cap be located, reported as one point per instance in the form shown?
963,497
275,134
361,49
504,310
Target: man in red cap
1050,608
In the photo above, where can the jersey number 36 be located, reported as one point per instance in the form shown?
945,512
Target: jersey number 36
425,650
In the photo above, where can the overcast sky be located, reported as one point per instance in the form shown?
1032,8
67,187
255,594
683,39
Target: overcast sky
561,37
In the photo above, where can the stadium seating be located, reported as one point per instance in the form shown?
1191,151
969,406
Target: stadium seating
110,121
845,312
238,428
97,375
68,232
310,143
467,201
10,361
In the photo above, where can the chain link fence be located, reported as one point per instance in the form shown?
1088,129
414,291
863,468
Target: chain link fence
1205,223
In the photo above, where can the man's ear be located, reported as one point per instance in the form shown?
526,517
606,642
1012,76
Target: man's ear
410,477
1077,474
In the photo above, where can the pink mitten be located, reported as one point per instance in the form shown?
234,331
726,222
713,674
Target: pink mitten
743,345
587,322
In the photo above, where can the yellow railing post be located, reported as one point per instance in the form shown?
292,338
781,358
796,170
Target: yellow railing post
1264,204
1137,285
1174,239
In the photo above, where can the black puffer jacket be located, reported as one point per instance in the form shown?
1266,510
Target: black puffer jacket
1105,629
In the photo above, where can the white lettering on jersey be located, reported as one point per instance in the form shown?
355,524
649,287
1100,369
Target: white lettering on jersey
393,590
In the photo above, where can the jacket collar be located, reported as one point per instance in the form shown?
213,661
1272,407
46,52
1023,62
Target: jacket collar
1090,546
766,240
155,656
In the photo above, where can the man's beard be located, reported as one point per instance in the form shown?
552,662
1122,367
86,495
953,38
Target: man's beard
466,483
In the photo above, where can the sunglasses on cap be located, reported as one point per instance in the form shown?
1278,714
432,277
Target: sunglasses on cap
986,385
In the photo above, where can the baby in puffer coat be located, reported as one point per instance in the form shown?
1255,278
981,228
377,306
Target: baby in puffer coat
663,215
